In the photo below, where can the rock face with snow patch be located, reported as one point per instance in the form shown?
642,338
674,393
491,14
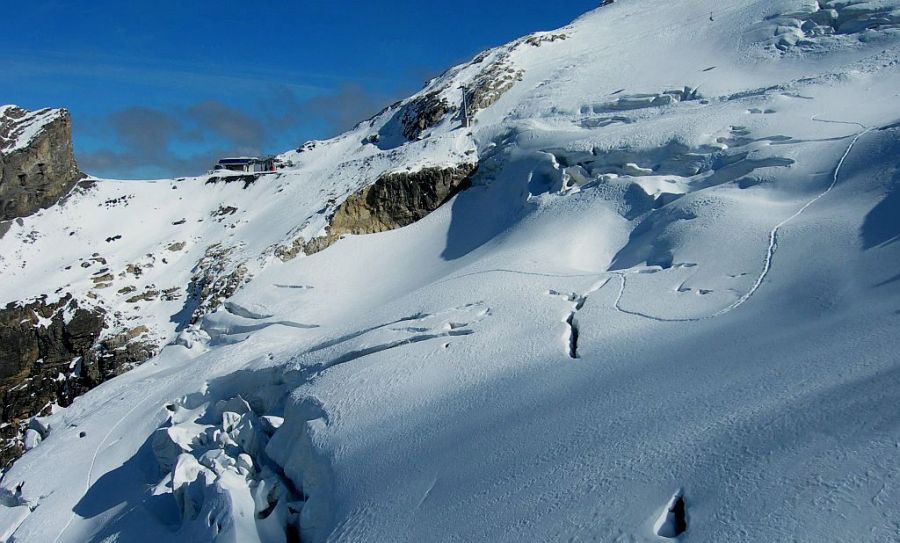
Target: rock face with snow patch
424,113
37,165
37,346
215,279
493,82
52,352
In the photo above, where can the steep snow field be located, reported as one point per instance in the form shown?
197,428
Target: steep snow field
674,281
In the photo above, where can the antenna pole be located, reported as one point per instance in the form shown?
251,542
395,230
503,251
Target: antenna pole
465,106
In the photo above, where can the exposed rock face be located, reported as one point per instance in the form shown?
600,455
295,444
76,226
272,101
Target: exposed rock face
37,165
538,39
496,79
286,253
399,199
395,200
501,74
146,296
216,277
50,353
497,76
423,113
247,179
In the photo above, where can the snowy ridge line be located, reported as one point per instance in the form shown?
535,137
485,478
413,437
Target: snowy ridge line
667,27
634,39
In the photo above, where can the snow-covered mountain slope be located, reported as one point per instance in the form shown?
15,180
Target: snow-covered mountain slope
667,306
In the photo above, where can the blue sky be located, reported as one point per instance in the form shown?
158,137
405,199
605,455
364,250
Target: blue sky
160,88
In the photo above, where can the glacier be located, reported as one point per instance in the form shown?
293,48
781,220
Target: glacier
667,307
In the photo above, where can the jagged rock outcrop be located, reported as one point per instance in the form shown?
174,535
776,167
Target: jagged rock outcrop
423,113
395,200
37,165
492,83
50,353
216,277
498,75
247,179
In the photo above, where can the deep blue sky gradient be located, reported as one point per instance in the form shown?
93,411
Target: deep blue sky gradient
160,88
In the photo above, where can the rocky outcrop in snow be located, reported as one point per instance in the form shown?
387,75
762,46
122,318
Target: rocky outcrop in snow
423,113
216,277
497,78
37,165
399,199
496,75
52,352
395,200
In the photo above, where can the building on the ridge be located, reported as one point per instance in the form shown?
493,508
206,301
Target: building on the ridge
246,164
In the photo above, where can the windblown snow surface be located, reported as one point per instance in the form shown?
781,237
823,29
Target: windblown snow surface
667,308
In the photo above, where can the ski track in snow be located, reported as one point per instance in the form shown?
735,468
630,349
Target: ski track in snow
571,336
572,332
773,236
770,251
90,473
764,273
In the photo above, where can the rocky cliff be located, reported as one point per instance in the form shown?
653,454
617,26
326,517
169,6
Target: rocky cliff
399,199
37,165
395,200
51,353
